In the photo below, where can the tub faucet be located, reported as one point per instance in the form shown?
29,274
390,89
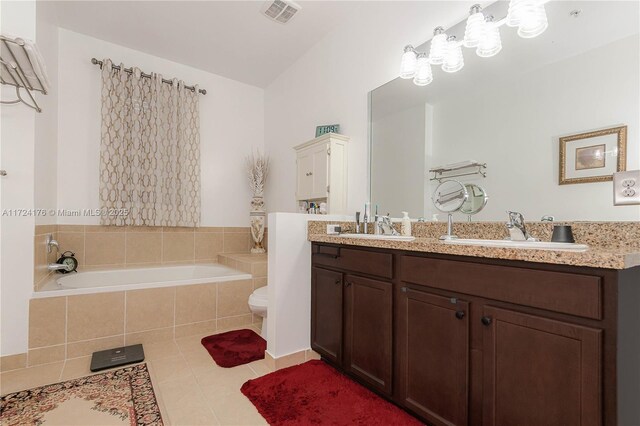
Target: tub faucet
516,227
59,267
51,243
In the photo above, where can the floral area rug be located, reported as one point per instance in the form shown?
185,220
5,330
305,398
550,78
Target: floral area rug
119,397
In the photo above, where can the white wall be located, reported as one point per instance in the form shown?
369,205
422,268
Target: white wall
289,308
330,83
517,132
46,122
396,159
231,125
17,123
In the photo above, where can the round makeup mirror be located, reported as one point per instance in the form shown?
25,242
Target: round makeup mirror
476,201
449,197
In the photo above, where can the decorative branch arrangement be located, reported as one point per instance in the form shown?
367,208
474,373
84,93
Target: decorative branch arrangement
257,172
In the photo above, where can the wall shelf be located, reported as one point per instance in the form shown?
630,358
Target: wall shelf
21,68
464,168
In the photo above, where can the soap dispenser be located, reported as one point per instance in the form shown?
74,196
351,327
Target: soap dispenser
406,224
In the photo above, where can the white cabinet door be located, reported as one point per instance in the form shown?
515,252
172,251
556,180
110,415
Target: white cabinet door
320,172
305,175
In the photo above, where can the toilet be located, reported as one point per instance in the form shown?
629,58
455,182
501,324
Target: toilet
258,306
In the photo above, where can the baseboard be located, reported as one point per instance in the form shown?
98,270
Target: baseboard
289,360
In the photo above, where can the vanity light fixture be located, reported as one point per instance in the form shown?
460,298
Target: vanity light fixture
491,44
475,29
454,60
424,75
438,46
529,16
409,64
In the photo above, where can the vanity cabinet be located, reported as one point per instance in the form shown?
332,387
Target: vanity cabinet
433,355
540,371
468,341
321,172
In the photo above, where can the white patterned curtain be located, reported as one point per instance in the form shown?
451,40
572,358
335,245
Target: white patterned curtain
150,150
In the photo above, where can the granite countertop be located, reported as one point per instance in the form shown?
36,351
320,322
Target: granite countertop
595,257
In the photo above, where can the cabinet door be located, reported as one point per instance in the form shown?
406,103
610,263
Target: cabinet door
539,371
368,331
326,314
304,177
433,352
320,179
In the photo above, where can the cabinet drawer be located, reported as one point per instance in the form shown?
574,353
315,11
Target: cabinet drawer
354,260
573,294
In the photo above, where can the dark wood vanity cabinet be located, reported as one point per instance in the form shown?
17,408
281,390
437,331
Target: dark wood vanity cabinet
352,325
540,371
467,341
433,355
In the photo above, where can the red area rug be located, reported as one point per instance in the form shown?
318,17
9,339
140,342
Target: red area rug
235,347
314,393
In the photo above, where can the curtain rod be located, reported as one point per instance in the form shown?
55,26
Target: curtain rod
94,61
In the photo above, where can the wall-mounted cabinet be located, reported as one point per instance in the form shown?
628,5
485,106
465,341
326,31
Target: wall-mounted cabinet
321,172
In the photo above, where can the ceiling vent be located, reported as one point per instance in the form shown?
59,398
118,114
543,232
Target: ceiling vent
281,11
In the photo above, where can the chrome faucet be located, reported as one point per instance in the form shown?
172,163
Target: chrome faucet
516,227
384,226
51,244
59,267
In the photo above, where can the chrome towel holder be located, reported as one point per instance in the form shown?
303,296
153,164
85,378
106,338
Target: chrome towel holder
16,73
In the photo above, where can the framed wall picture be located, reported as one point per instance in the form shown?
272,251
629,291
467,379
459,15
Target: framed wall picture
593,156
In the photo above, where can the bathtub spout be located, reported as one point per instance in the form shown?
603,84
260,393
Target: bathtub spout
59,267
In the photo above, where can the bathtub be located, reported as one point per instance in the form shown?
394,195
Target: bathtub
112,280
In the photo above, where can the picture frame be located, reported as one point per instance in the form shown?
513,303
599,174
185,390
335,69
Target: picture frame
593,156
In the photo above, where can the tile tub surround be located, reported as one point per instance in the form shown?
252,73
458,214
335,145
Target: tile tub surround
98,246
614,245
74,326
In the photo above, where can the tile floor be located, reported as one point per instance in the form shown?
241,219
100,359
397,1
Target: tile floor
190,387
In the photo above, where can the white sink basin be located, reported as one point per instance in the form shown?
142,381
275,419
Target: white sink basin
378,237
539,245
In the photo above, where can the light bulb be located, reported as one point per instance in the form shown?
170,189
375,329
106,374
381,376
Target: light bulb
474,31
424,75
534,23
529,16
408,65
438,46
453,61
491,44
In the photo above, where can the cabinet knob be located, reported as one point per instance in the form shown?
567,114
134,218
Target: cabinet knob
459,314
486,320
347,283
338,282
310,173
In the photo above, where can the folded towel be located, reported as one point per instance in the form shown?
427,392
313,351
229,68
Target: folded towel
29,60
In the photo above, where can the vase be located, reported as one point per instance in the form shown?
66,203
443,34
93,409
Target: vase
257,216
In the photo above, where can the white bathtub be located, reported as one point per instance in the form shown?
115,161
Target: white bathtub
133,279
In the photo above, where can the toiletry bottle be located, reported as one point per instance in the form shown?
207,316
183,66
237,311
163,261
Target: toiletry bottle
367,215
406,224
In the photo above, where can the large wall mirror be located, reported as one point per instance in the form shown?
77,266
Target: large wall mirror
510,112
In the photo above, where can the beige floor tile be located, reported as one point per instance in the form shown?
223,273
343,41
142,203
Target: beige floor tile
191,343
260,367
28,378
235,409
77,367
199,361
160,350
184,403
167,369
223,381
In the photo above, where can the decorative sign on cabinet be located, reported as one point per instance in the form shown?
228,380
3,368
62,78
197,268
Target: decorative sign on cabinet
321,172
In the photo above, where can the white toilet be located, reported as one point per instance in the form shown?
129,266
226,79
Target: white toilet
258,305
